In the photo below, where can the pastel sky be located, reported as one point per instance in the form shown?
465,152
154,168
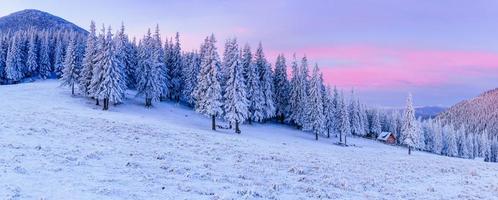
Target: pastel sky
441,51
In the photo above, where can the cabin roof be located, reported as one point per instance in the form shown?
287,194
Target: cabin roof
384,136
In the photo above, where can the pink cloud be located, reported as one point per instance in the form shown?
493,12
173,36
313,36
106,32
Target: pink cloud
367,67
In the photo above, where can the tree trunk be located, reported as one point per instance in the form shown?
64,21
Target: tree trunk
72,89
328,132
106,104
340,137
213,122
316,135
148,102
409,150
249,120
97,101
345,140
237,130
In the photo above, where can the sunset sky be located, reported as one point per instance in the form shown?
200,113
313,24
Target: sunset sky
441,51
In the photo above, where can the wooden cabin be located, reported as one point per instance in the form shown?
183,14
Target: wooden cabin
387,137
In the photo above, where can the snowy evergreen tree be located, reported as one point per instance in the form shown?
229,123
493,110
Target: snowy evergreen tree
120,46
266,82
59,56
3,56
14,64
112,87
316,121
344,126
254,92
281,89
236,102
451,149
71,70
303,94
409,129
336,122
190,72
32,61
175,69
149,65
208,90
328,111
88,61
295,94
375,128
354,116
98,68
44,57
438,138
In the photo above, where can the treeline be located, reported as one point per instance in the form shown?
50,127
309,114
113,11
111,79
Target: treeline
36,53
239,87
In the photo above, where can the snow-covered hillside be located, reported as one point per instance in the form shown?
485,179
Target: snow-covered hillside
54,146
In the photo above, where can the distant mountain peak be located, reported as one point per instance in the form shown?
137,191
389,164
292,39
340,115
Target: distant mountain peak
32,18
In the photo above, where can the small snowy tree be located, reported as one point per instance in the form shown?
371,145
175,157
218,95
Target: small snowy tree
235,92
409,129
376,127
208,90
344,126
354,116
316,121
71,71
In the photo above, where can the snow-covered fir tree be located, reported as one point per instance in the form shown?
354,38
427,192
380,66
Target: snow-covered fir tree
59,56
281,89
112,86
14,65
409,129
192,63
344,126
354,116
44,66
208,91
375,126
266,82
316,122
120,52
148,76
71,70
175,64
89,60
4,46
98,68
451,144
295,94
254,92
32,60
236,103
328,111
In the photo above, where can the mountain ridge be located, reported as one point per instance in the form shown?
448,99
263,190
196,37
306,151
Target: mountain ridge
40,20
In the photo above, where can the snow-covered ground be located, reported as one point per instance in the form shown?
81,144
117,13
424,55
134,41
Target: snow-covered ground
54,146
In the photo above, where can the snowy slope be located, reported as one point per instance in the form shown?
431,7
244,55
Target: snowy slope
53,146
